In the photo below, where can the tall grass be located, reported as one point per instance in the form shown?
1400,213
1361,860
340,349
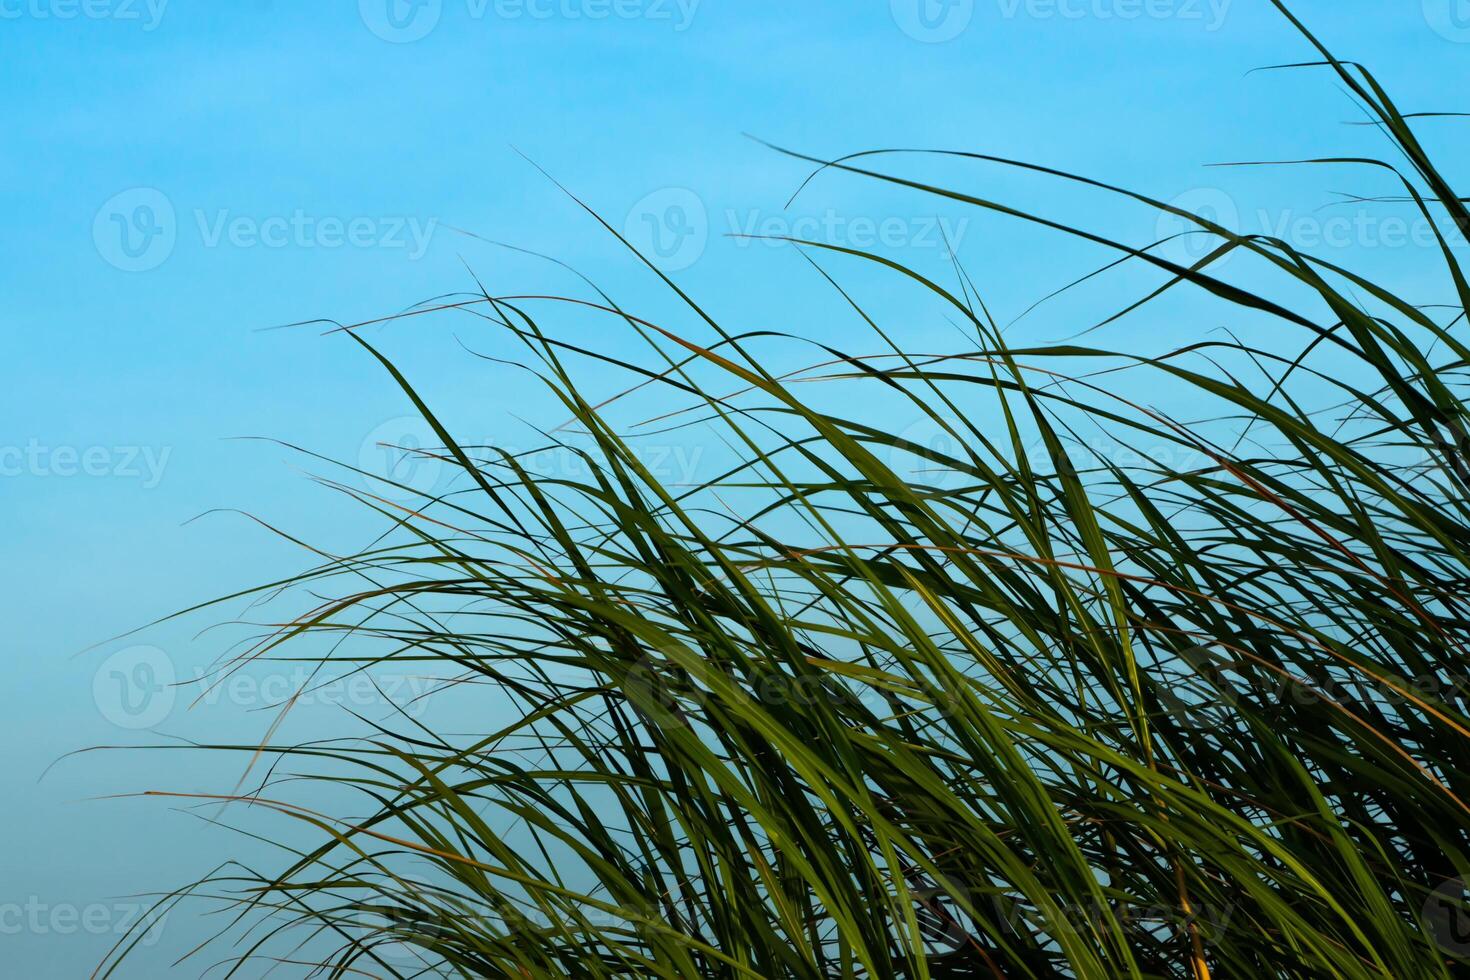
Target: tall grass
1008,704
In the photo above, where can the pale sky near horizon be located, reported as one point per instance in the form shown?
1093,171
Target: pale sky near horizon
179,175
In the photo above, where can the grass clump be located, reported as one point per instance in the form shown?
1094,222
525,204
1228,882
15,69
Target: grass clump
860,705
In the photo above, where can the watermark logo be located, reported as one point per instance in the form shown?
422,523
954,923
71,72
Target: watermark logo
407,454
1448,918
921,453
1450,19
933,21
135,231
1185,241
401,21
658,689
670,227
135,688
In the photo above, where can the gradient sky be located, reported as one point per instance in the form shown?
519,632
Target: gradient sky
177,176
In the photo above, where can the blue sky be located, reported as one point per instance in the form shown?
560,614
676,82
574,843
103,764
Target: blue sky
179,175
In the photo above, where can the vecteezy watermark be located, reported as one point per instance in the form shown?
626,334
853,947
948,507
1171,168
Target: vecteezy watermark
936,21
1450,19
140,687
148,13
926,454
398,923
1357,226
672,228
832,227
36,459
1358,229
406,21
393,926
669,694
1211,14
38,917
137,230
1186,241
932,21
1208,921
1206,687
943,453
661,691
299,229
404,460
302,685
